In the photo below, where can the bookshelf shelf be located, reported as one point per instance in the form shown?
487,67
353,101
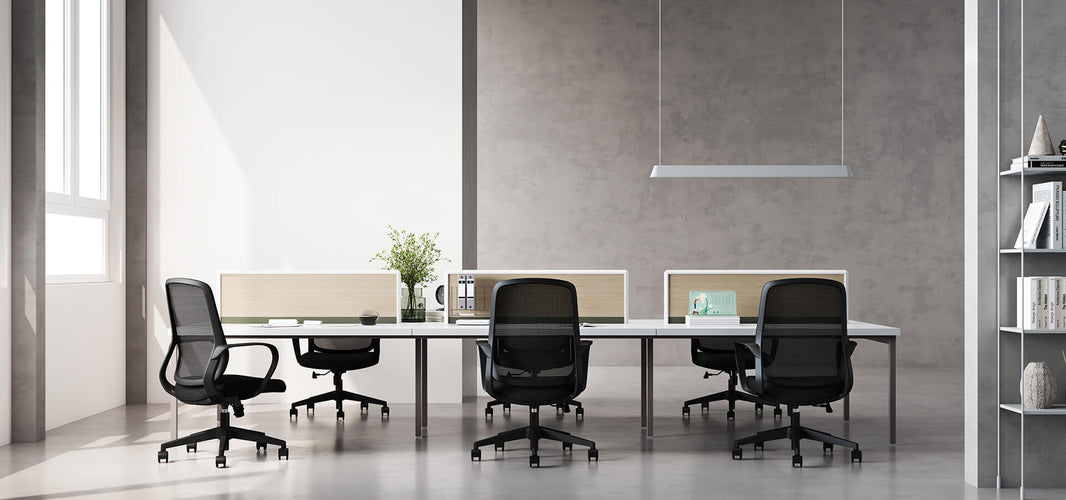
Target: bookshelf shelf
1014,329
1033,171
1008,251
1017,408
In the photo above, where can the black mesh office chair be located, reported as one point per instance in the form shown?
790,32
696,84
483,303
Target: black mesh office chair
718,354
534,356
200,375
338,356
802,358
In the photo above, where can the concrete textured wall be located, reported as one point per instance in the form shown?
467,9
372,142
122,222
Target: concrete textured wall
567,138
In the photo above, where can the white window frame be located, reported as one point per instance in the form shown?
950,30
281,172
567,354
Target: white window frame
70,202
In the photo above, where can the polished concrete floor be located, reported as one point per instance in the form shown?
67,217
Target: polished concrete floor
112,455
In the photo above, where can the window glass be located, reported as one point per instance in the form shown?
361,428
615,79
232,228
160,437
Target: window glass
90,100
75,245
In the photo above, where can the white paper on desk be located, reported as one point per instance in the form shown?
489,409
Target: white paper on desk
279,326
472,322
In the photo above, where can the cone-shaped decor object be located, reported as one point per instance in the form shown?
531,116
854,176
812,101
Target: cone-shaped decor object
1041,144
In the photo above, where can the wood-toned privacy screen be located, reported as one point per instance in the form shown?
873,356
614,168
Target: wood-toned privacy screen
332,298
748,286
601,296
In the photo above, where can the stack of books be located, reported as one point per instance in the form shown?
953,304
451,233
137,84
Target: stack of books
712,320
1042,303
1038,162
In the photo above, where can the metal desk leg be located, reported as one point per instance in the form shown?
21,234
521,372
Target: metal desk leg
643,382
425,385
173,418
892,391
418,387
650,391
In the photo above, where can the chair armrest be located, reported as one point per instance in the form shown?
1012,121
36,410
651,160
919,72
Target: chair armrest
581,375
740,350
216,356
296,347
485,357
167,386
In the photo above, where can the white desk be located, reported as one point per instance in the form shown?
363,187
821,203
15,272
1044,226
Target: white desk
646,330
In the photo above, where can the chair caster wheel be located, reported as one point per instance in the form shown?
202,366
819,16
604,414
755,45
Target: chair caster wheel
507,407
568,447
384,412
534,461
340,415
220,462
730,415
364,408
260,446
488,412
559,409
293,413
758,409
162,457
797,461
856,456
705,407
777,412
283,453
475,454
190,448
759,446
498,446
685,412
310,409
594,454
738,453
827,447
579,412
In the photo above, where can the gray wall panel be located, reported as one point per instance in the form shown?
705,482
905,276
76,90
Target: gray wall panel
567,137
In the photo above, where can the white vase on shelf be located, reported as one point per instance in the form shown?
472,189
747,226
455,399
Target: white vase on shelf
1038,386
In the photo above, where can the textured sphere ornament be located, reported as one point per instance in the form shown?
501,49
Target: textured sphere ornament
1039,385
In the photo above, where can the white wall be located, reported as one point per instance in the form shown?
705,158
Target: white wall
85,324
5,222
85,370
286,135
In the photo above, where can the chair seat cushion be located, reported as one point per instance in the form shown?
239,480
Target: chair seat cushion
800,395
338,360
720,360
531,395
230,386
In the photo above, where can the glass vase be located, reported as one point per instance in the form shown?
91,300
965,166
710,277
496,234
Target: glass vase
412,305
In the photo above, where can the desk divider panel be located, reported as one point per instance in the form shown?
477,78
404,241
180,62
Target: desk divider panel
331,298
747,284
602,296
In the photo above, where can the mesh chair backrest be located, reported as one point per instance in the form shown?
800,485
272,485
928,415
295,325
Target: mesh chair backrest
196,328
533,331
342,344
802,330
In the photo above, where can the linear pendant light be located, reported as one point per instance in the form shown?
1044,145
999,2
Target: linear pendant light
724,171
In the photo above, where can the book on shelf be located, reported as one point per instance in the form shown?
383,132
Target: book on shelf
1041,161
1034,220
1032,302
699,320
1051,230
1057,302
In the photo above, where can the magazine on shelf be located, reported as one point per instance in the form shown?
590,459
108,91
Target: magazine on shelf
1051,230
1034,220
